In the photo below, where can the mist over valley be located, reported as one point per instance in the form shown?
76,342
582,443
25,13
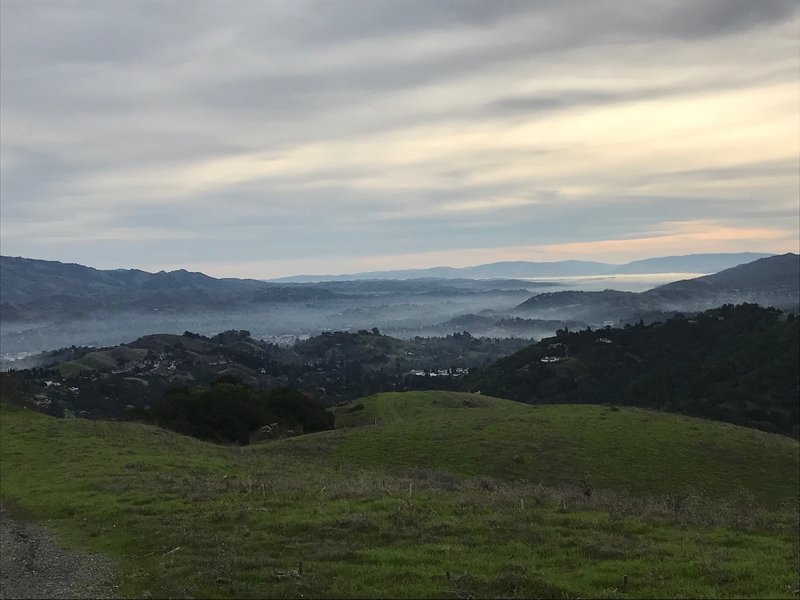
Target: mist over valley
48,305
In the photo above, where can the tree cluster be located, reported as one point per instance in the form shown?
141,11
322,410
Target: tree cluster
228,411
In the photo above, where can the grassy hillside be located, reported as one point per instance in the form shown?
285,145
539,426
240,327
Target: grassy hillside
605,447
430,502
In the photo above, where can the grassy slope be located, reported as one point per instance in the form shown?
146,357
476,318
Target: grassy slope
183,517
639,450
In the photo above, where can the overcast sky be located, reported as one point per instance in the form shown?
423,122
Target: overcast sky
261,139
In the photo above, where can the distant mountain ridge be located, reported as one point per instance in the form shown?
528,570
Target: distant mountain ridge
50,291
26,279
772,281
690,263
32,288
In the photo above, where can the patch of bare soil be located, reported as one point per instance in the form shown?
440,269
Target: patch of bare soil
32,565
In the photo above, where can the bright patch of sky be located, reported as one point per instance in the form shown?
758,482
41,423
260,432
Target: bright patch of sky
264,138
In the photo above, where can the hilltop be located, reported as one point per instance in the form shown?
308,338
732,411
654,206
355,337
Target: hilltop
447,495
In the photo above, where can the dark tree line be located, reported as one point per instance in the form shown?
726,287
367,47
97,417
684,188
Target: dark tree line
739,364
230,412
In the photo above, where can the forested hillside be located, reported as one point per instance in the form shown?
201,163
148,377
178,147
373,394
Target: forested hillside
735,363
333,366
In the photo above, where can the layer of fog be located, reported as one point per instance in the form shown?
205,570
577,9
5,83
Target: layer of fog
398,314
619,282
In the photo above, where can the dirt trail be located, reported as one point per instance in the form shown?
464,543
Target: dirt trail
33,566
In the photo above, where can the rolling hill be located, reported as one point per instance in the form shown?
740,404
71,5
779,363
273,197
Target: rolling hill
420,495
605,447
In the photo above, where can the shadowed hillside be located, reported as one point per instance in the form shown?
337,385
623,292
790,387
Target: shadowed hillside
738,364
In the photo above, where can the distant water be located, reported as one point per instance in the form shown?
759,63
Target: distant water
638,282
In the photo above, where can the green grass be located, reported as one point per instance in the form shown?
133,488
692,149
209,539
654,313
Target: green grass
607,447
426,513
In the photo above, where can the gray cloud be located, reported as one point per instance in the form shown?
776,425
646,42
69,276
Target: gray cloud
345,128
576,98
